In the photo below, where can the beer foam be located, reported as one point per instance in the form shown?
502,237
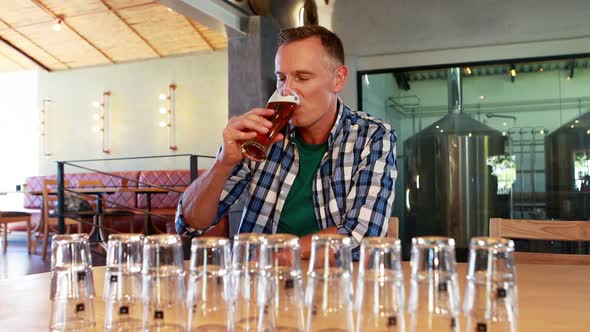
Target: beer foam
277,97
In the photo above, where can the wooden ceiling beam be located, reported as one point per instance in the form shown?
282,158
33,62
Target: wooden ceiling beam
152,47
21,52
200,33
7,57
39,63
94,12
65,22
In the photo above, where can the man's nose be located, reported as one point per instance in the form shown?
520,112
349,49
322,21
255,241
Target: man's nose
290,84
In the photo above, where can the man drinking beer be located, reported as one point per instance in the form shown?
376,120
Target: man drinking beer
331,170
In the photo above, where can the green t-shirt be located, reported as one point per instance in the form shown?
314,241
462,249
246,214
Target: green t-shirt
298,214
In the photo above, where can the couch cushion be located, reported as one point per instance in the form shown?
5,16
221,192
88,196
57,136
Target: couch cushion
167,178
34,183
116,200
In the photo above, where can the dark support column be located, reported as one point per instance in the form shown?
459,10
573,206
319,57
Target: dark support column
194,167
61,227
251,66
251,78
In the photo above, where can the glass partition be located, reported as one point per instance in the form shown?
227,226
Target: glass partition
513,141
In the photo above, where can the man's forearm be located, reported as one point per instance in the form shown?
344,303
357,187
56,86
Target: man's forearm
201,198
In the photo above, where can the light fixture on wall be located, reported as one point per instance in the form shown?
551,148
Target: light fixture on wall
102,117
168,108
44,125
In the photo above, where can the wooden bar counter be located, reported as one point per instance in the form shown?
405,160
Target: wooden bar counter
551,298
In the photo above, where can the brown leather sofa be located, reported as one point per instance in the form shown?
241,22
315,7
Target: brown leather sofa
162,204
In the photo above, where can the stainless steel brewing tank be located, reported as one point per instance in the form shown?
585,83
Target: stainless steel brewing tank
450,190
564,199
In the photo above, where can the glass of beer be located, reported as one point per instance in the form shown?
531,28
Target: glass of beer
284,102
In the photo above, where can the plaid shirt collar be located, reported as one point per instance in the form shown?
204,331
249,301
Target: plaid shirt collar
343,112
353,190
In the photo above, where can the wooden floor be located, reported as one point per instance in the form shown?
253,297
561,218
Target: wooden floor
17,262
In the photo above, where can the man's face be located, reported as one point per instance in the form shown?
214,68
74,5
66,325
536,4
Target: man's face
305,67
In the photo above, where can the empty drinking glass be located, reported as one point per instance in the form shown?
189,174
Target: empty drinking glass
328,296
246,276
209,299
283,284
72,284
122,283
491,301
434,292
163,287
379,301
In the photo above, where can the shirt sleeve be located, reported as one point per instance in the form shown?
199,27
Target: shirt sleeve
233,189
180,225
373,191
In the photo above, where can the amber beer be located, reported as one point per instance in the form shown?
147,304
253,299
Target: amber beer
284,102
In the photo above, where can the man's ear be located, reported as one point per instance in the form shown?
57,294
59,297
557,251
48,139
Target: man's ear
340,76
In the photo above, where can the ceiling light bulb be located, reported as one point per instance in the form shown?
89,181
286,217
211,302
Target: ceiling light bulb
541,69
569,78
572,126
162,124
95,104
57,25
504,124
162,110
542,132
588,131
437,127
469,134
503,133
95,129
442,131
95,116
512,72
162,96
577,121
481,97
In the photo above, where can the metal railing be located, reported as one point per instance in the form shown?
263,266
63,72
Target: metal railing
61,189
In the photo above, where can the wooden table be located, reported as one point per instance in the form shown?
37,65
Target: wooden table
148,191
99,191
551,298
96,234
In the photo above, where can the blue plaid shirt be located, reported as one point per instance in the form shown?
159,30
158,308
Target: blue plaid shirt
354,185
